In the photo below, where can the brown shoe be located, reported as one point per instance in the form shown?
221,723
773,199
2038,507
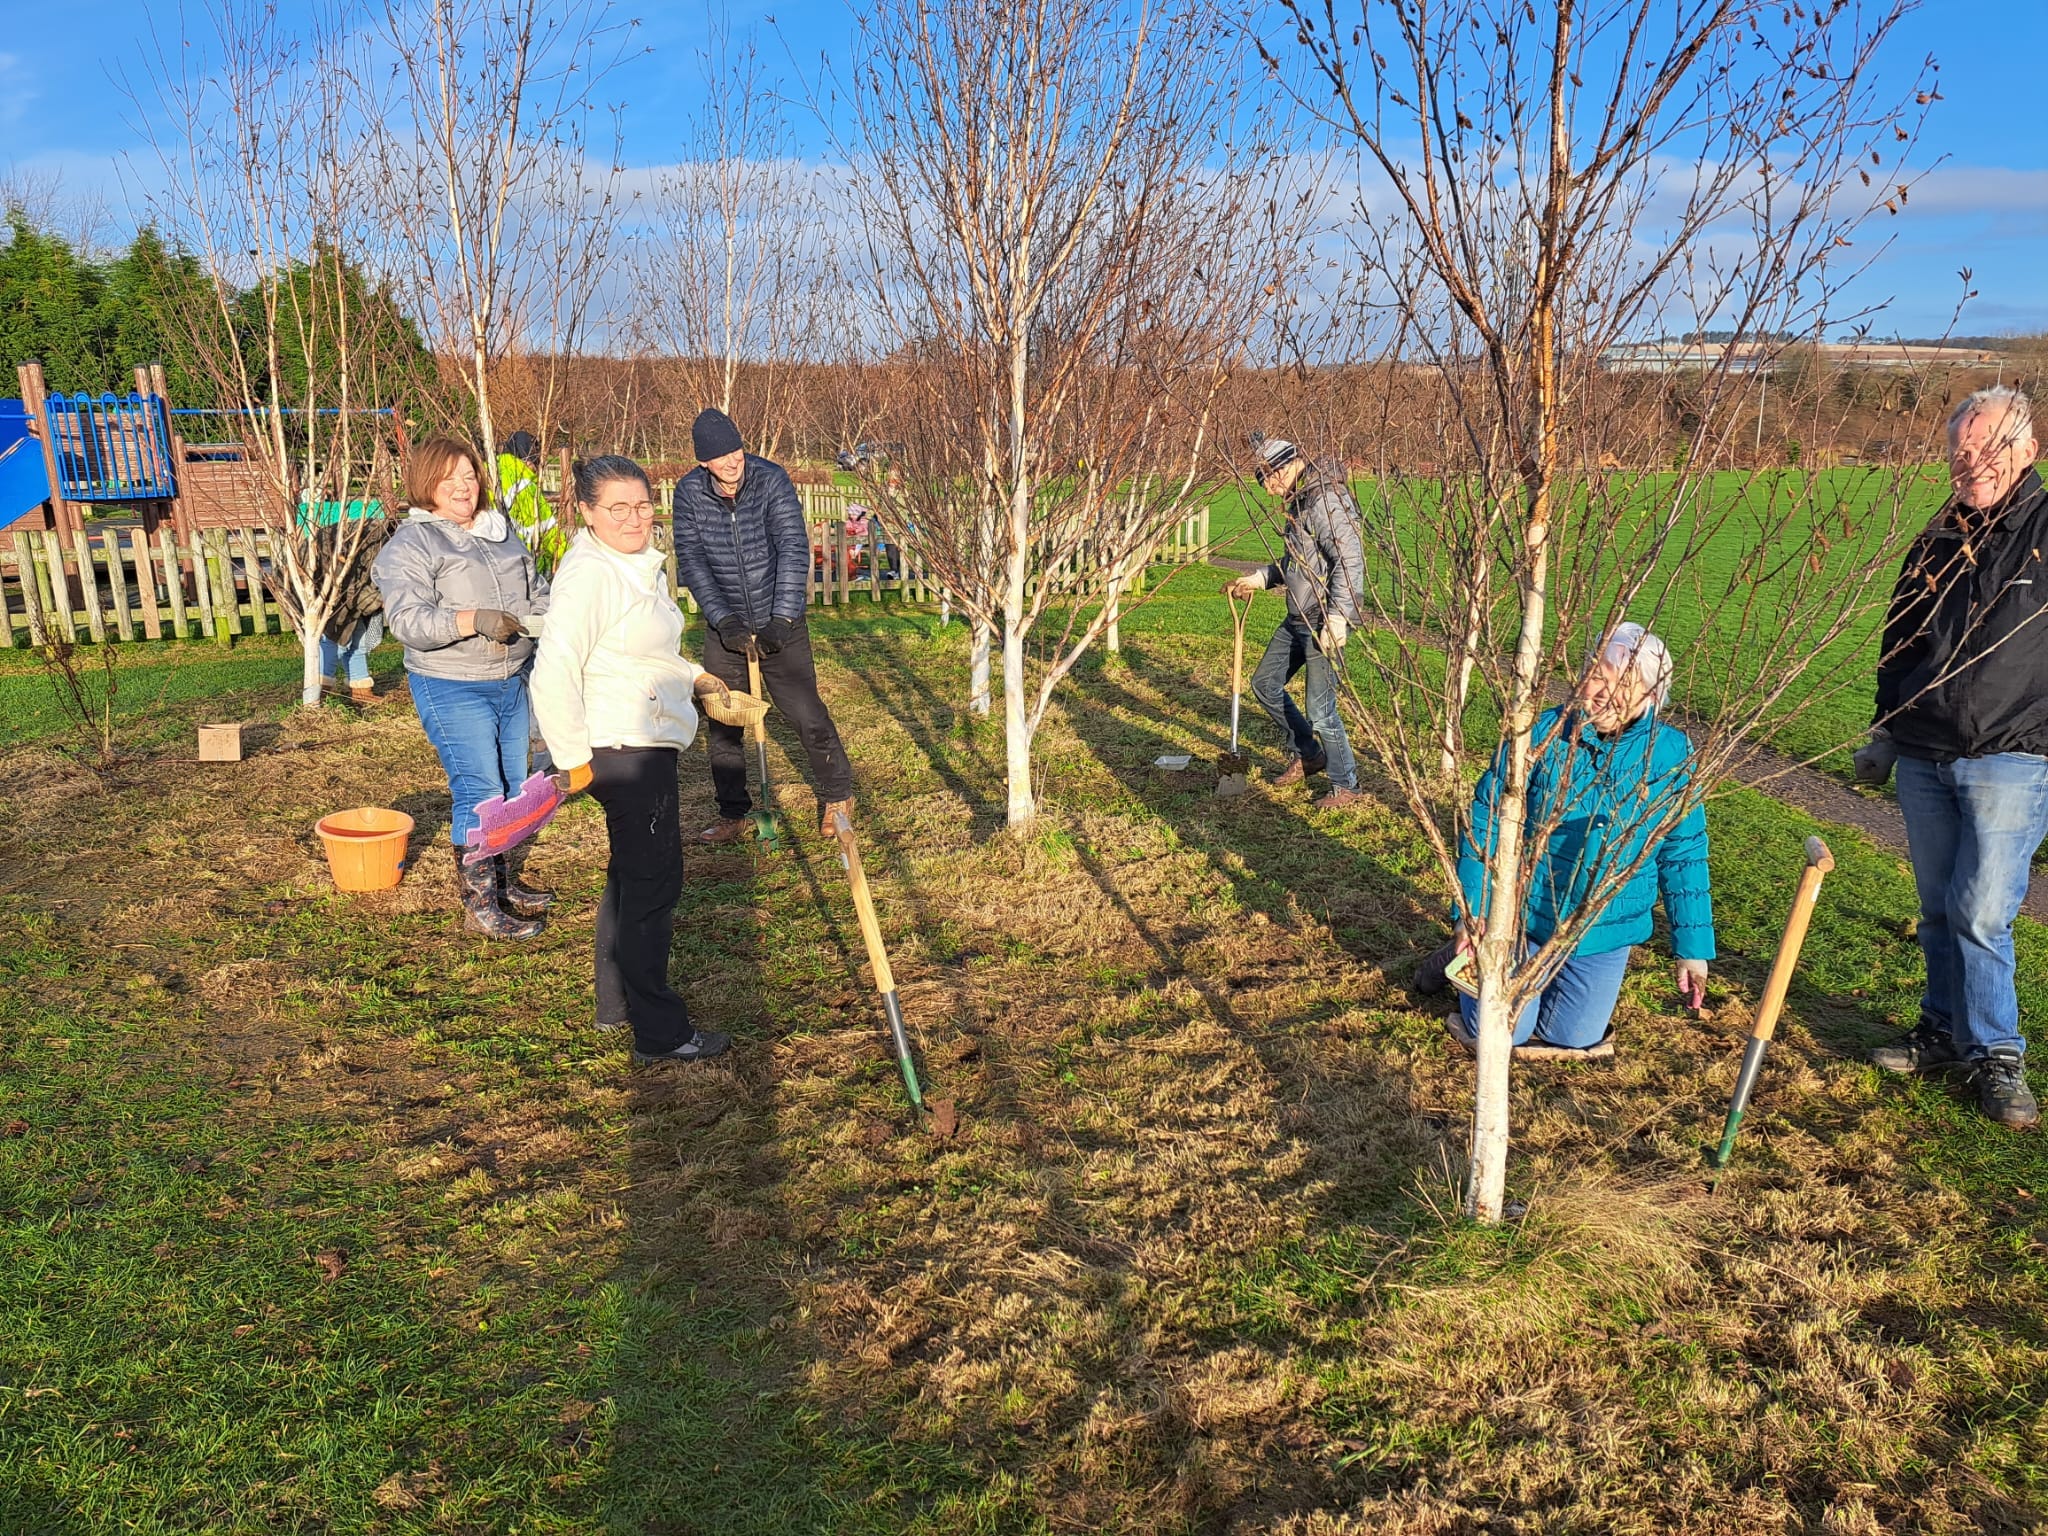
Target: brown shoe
833,808
1340,799
363,693
1301,768
724,830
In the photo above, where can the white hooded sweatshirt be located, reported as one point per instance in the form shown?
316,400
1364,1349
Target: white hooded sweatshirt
609,672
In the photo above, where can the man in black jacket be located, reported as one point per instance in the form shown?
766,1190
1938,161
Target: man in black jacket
1962,702
744,551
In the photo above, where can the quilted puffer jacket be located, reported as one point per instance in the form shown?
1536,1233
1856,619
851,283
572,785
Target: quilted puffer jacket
1324,563
429,570
1600,797
749,555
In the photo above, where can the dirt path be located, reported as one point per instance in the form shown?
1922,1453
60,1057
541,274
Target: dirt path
1784,779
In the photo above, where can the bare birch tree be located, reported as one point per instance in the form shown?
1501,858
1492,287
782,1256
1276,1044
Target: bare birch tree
498,202
738,272
264,169
1069,252
1541,184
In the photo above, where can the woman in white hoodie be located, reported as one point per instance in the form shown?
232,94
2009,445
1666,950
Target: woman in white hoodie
616,702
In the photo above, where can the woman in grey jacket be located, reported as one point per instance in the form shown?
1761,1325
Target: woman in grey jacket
459,588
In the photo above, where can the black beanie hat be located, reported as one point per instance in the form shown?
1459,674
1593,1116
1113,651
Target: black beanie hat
523,445
713,434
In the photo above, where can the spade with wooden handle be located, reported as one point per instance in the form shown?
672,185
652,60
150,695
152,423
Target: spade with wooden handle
1239,613
1231,778
945,1117
767,825
1818,862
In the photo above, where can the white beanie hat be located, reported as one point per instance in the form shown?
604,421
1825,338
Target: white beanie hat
1629,644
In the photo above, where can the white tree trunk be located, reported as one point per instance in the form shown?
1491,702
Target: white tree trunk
311,677
978,701
1489,1151
1016,721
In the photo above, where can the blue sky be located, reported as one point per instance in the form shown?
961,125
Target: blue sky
1984,203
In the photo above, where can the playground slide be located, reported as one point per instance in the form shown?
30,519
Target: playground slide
24,482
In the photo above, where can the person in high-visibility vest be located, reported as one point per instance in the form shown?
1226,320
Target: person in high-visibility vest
523,501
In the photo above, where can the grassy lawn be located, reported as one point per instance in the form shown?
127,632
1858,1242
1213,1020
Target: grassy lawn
317,1217
1714,614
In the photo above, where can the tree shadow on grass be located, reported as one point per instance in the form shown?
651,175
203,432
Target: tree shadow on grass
714,1426
1284,857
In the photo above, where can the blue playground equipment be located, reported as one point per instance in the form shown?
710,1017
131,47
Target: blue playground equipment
24,481
110,447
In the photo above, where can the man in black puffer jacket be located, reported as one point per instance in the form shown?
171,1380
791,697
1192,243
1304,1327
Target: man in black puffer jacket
744,551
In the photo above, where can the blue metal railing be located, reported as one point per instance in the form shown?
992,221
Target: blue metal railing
110,447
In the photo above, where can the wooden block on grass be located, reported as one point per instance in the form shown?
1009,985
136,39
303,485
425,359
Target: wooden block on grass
220,743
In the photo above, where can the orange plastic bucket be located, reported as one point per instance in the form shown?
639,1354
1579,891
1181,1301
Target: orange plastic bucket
365,847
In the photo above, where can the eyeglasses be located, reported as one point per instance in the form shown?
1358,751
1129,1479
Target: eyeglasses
628,511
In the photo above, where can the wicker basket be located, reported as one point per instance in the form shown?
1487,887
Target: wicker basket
735,708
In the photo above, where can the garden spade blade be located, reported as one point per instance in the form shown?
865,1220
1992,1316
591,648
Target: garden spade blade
502,824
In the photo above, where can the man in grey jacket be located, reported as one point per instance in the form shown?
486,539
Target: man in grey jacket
1322,568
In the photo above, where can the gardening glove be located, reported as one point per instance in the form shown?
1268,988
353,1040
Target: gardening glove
496,624
1245,587
1692,984
1336,630
735,635
572,781
1875,758
776,634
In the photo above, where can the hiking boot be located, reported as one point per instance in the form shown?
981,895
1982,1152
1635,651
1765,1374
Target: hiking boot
520,900
2002,1091
613,1026
826,827
1928,1047
725,830
481,913
701,1046
1340,799
1429,975
1302,767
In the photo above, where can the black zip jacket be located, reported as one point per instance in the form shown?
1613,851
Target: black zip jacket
749,556
1965,665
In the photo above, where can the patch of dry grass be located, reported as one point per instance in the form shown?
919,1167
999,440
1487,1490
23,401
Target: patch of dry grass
1192,1262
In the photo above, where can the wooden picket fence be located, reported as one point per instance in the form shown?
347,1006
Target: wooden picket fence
106,583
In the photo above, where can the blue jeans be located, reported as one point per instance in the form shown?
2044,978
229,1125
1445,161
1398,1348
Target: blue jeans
355,650
1294,648
1972,827
480,731
1575,1010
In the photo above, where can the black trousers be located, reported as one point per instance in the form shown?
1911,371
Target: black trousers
790,679
642,883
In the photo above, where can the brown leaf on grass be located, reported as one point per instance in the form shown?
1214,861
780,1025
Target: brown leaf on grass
945,1118
407,1490
163,1250
332,1262
15,1128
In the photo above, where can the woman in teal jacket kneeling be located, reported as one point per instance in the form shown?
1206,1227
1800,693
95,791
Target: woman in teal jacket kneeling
1607,777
